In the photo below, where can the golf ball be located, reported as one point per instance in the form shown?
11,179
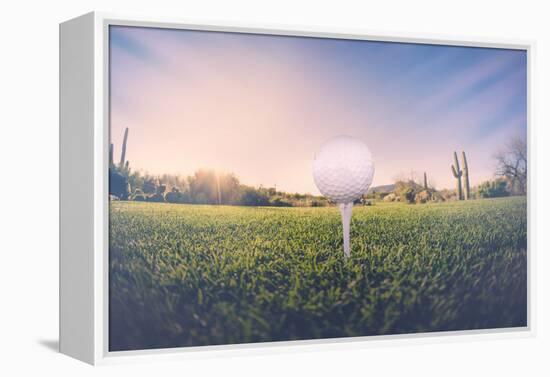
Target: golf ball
343,169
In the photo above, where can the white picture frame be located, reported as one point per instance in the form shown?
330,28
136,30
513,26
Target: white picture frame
84,141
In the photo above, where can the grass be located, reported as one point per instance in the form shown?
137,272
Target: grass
187,275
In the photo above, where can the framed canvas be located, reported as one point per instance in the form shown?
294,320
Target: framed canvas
228,188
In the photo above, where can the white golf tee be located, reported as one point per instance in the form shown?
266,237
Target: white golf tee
345,211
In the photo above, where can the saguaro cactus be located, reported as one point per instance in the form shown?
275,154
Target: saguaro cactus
457,173
425,181
118,174
123,153
111,149
466,176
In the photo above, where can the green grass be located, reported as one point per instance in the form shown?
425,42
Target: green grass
187,275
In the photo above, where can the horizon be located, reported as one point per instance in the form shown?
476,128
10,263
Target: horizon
259,106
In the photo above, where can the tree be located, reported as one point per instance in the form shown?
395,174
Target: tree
253,197
210,187
230,188
511,164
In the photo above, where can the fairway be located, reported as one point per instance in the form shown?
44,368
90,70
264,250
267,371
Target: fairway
190,275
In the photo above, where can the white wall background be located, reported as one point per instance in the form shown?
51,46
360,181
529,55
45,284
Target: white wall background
29,188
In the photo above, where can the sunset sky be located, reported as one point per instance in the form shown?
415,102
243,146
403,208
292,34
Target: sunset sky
260,106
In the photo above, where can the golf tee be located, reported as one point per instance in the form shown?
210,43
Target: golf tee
345,211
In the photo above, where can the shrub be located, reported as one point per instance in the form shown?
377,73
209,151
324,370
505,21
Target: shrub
493,189
159,198
253,197
175,196
139,196
118,184
280,202
447,194
150,186
407,190
201,198
407,195
319,203
391,197
423,197
437,197
172,197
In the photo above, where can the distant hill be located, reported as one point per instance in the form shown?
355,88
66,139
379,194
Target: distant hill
383,189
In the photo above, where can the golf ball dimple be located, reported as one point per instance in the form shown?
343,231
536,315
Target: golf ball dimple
343,169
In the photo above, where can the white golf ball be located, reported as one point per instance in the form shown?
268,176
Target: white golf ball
343,169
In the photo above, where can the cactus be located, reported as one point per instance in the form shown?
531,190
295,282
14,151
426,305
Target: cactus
118,174
457,173
425,181
123,153
111,149
150,186
466,176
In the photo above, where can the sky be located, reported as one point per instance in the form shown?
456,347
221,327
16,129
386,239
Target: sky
260,106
